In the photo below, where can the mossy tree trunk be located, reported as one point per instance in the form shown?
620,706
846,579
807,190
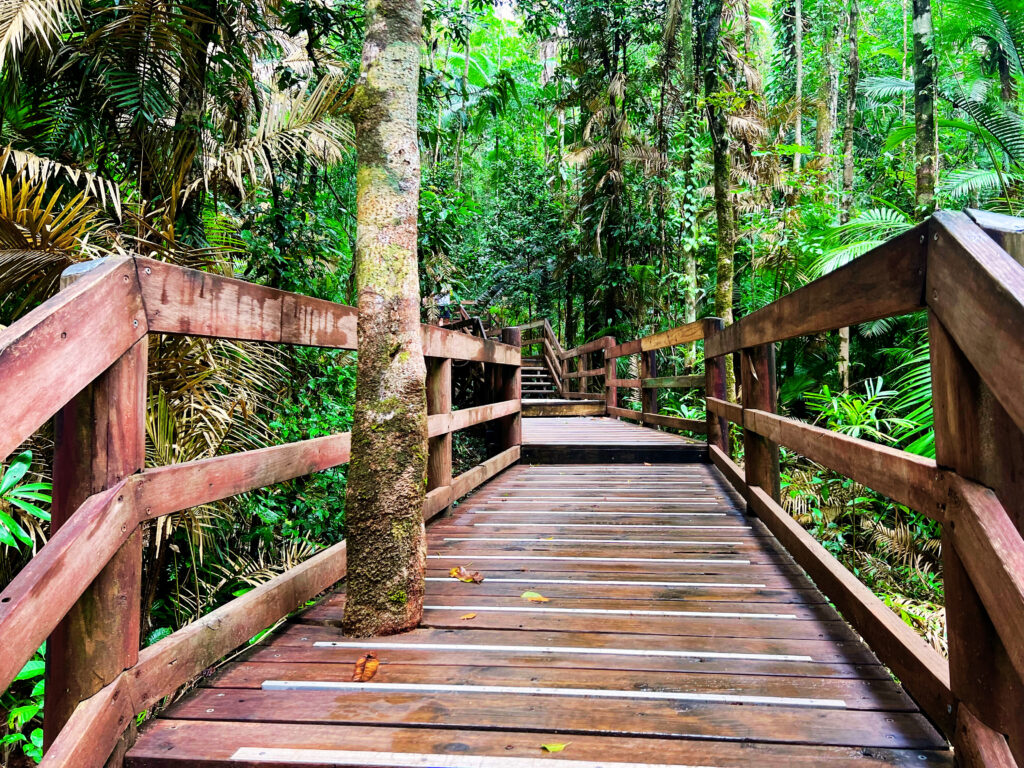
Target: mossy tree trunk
925,150
725,250
387,474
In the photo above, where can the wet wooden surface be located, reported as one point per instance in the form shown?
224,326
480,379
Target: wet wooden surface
676,631
603,440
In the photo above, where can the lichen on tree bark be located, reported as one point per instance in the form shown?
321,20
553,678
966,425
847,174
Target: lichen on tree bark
387,473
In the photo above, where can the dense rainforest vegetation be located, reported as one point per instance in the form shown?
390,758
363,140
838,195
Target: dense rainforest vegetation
617,166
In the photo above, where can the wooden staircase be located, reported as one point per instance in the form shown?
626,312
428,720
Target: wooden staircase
538,383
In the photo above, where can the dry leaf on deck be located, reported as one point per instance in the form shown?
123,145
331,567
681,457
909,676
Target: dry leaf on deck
459,572
366,668
554,747
534,597
468,616
646,464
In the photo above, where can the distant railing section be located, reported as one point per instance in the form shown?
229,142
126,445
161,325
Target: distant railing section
550,352
81,357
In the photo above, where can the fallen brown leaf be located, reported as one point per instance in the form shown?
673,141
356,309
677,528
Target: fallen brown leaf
366,668
459,572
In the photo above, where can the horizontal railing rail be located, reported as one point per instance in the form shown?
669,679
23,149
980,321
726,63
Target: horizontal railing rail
81,356
973,292
649,382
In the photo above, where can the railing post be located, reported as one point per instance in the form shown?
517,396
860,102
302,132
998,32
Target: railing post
761,456
611,392
714,386
512,389
100,438
976,438
648,370
439,401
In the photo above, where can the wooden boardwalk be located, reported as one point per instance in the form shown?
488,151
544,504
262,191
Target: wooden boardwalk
676,631
590,439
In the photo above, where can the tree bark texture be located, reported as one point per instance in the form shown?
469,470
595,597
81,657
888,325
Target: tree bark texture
726,248
853,77
798,97
846,202
387,473
828,88
924,107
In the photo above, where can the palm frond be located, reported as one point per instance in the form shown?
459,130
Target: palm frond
310,124
883,88
42,19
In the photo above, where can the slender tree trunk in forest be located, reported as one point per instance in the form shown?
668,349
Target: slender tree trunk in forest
924,107
828,91
726,248
461,136
798,96
846,202
688,204
387,474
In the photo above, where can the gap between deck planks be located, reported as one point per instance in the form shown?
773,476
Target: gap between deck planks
677,632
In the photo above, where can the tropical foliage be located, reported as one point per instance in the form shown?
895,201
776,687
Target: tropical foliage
569,172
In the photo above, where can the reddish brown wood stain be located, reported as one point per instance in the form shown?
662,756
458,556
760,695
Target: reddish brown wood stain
745,622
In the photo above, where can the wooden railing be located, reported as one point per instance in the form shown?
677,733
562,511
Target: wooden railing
581,365
649,382
973,292
967,280
550,348
81,357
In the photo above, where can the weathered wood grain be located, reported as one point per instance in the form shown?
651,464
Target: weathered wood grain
177,743
100,441
761,454
977,745
682,334
976,290
676,422
510,389
730,411
715,390
45,589
992,550
730,470
923,672
904,477
164,490
604,342
188,301
886,281
49,355
977,440
470,479
674,382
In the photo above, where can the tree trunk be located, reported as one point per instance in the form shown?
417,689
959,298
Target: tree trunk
828,92
924,107
853,77
798,97
726,249
846,203
387,474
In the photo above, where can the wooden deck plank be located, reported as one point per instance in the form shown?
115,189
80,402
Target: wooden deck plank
677,632
564,715
215,743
